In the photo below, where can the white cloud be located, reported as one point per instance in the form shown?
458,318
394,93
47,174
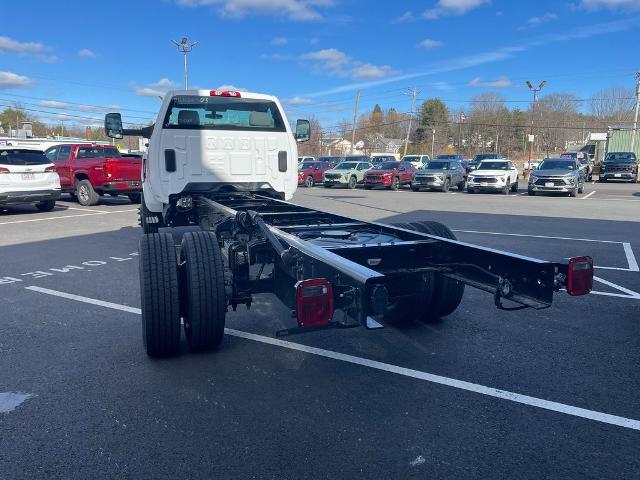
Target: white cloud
611,4
547,17
76,106
9,45
13,80
367,71
452,7
334,62
86,53
299,10
429,43
298,101
157,89
279,41
405,18
331,60
500,82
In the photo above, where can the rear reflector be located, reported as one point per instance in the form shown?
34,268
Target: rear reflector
224,93
50,169
579,276
314,302
4,170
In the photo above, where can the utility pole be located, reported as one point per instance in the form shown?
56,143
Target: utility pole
185,47
461,118
635,116
433,142
533,116
355,115
414,94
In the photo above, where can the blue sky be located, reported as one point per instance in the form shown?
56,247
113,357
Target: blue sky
312,53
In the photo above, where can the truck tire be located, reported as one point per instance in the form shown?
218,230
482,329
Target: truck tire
447,293
135,197
160,295
146,217
87,196
46,206
204,303
409,308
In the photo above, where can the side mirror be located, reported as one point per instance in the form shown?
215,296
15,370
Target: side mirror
303,131
113,125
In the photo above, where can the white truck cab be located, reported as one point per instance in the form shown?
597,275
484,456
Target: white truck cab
207,141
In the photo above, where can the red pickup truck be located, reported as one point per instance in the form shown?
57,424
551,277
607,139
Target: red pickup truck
88,171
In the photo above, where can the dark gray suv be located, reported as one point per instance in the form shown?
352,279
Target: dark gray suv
439,174
557,175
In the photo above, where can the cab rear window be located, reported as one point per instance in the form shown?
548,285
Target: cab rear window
98,152
23,157
223,113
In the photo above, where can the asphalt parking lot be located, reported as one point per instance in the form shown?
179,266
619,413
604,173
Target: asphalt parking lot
481,394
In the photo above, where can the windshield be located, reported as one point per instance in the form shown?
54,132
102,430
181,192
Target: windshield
436,166
22,157
223,113
621,157
346,166
331,159
306,166
552,164
411,158
446,157
493,166
386,166
484,156
360,158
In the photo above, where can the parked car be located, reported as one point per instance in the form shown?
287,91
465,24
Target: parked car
493,175
473,164
440,175
306,159
377,159
417,160
27,176
584,160
389,175
349,174
559,175
619,166
88,171
310,173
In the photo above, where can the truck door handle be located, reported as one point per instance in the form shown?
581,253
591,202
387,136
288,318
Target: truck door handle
282,161
170,160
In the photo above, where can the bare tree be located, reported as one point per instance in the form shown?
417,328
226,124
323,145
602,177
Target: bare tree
612,104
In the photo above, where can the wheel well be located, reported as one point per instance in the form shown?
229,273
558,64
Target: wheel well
82,176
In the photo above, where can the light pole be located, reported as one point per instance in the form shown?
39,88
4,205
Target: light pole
433,142
635,115
414,94
533,116
185,47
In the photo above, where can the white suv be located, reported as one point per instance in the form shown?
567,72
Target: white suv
27,176
214,141
493,175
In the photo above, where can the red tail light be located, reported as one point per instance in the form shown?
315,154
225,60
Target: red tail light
108,169
224,93
50,169
4,170
314,302
579,276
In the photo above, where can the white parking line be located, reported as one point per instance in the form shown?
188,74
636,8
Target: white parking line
589,194
629,293
386,367
628,251
66,216
86,210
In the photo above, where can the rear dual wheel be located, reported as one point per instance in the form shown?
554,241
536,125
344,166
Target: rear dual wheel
438,295
195,292
46,206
